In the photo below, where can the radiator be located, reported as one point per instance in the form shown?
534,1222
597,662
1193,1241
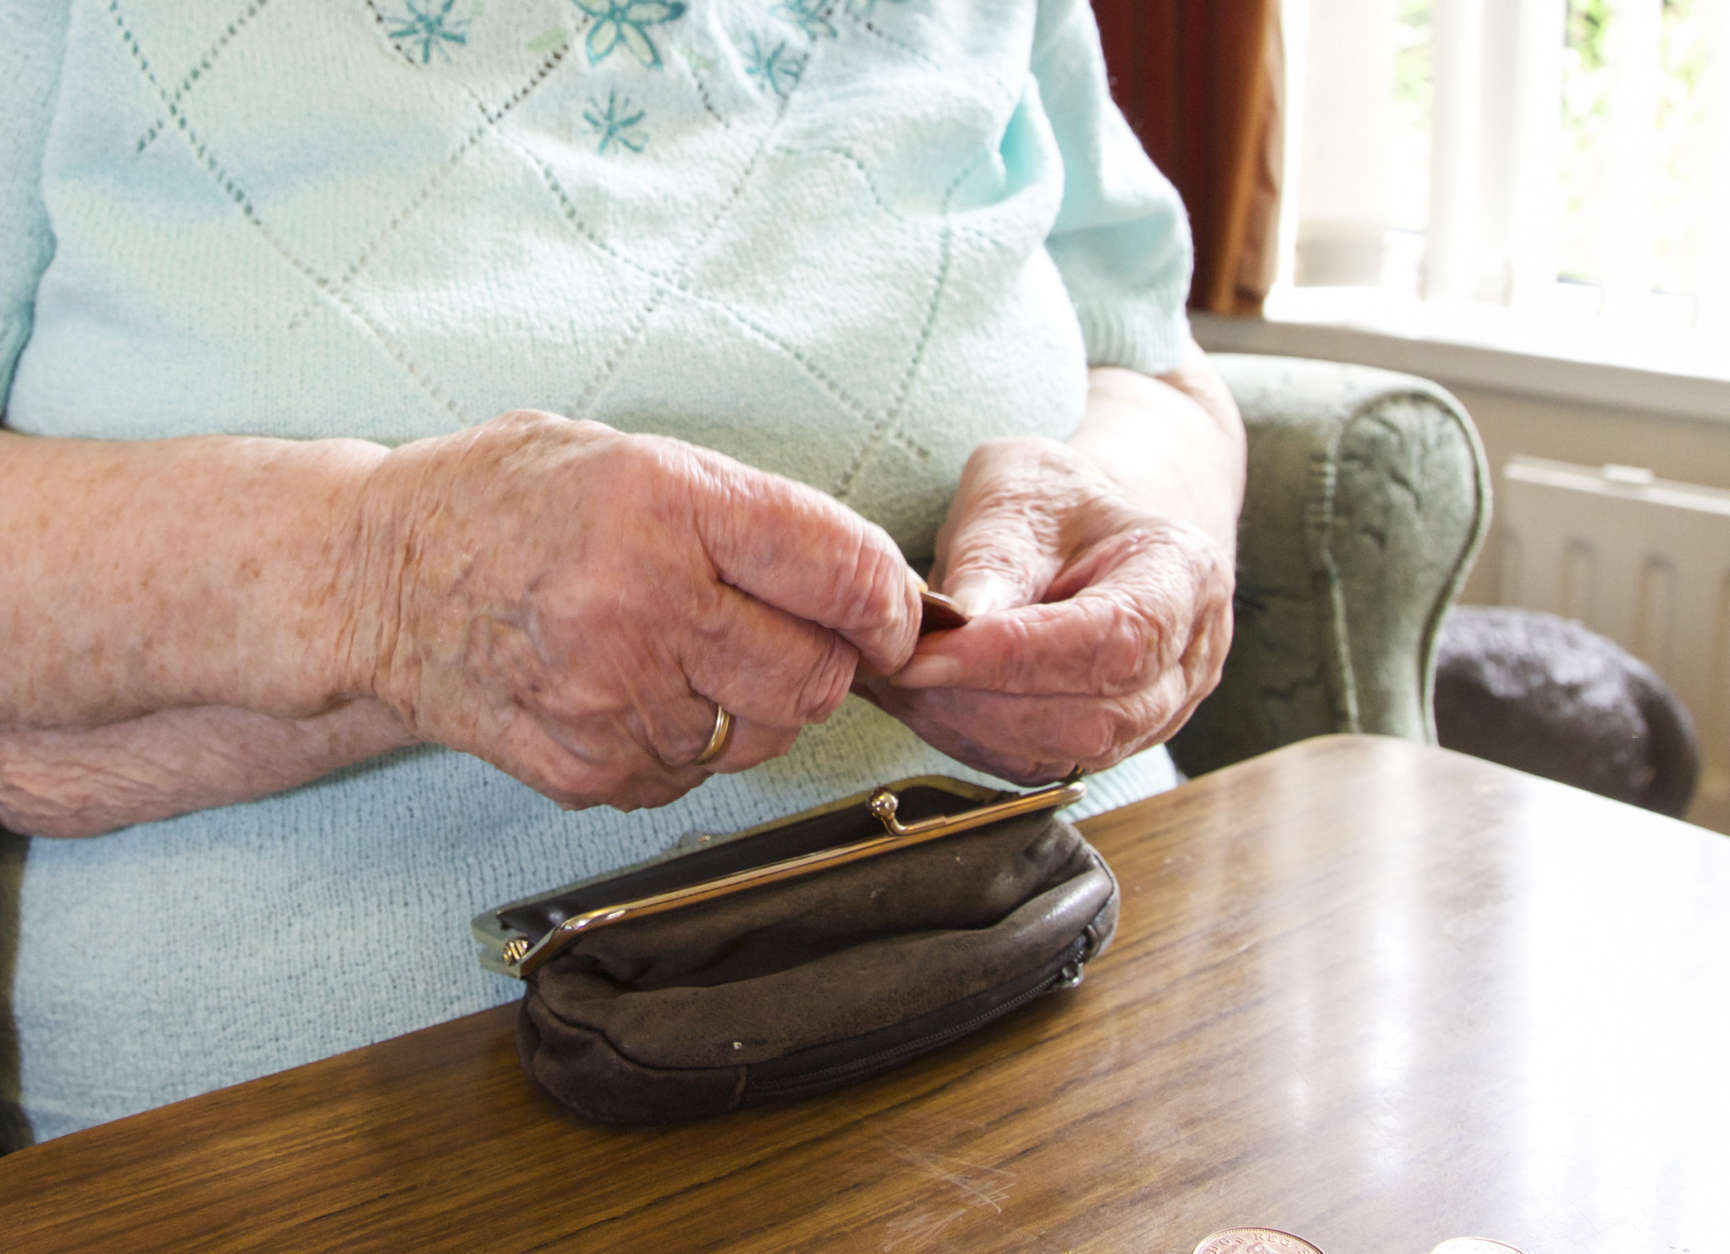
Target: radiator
1642,560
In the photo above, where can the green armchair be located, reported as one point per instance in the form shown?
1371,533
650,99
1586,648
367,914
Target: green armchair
1367,501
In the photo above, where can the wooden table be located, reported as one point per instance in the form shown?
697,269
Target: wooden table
1374,994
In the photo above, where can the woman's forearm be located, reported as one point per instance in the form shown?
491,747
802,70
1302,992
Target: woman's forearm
85,782
146,576
1175,443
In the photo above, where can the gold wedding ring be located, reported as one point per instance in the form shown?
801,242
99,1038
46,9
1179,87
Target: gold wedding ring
718,738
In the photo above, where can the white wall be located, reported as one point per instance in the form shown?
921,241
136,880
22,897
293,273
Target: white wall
1693,450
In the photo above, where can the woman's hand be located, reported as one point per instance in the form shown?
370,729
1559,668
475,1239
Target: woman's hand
1100,599
1097,626
199,621
572,603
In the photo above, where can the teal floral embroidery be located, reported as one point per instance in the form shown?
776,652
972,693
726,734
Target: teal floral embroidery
430,30
623,22
778,68
810,16
613,125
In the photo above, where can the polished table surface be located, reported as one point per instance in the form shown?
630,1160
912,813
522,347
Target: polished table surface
1371,993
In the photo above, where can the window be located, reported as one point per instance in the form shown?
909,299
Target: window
1547,174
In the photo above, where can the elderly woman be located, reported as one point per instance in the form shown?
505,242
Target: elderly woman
773,299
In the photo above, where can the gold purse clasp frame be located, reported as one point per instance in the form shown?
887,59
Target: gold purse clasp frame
522,955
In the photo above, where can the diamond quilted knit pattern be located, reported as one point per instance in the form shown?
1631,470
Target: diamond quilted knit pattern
735,221
844,240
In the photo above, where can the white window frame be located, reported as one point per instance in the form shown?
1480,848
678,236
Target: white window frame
1492,313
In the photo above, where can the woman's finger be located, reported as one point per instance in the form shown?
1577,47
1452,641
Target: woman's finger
1022,506
1026,737
1132,608
745,743
804,553
674,727
600,765
764,665
751,744
1094,645
992,557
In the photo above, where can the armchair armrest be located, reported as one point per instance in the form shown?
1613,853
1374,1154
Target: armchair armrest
1367,500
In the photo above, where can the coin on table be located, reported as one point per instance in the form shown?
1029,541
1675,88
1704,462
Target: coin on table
1473,1245
1254,1241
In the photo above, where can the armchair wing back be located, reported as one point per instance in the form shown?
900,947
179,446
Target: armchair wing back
1368,498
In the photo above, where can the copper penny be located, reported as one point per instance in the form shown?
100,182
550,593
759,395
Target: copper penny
1254,1241
940,613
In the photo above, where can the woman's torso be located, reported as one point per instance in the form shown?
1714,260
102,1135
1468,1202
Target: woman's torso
809,234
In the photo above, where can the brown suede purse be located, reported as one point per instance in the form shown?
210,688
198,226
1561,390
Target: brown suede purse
796,958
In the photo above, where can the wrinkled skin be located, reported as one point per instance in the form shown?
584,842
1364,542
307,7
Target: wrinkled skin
1097,625
571,603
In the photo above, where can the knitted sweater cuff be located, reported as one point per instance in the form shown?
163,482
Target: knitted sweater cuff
1135,336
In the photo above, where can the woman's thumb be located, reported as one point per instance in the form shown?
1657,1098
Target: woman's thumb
980,592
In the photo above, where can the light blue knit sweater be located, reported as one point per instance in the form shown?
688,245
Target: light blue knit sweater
845,240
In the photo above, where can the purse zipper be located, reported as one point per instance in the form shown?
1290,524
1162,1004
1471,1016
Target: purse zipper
1069,973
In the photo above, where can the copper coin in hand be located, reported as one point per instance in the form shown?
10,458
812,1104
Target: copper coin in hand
939,613
1254,1241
